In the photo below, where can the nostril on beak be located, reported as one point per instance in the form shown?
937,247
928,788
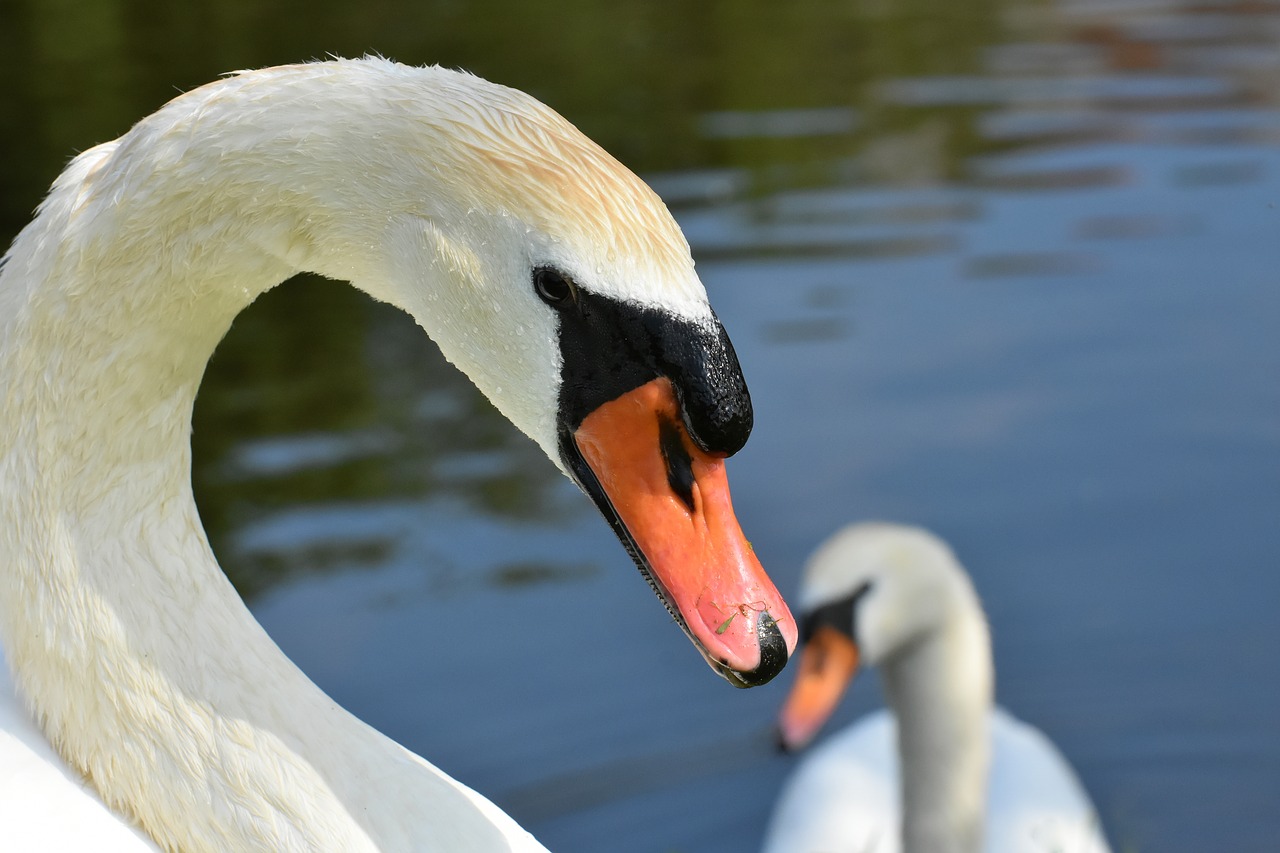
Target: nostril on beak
679,463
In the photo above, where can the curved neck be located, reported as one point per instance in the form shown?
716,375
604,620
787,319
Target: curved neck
147,671
940,690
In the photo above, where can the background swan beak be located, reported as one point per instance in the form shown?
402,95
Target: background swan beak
671,506
828,663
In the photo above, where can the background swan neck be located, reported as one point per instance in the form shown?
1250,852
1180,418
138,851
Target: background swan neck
940,689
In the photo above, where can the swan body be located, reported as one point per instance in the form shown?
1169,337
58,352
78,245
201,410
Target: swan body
543,268
942,769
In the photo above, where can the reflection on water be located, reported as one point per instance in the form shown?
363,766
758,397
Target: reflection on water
374,417
1003,268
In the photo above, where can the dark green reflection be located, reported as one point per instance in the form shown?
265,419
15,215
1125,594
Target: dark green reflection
318,395
639,75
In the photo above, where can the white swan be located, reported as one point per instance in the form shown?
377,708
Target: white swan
943,771
544,269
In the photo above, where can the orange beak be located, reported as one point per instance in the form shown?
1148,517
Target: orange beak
671,503
828,663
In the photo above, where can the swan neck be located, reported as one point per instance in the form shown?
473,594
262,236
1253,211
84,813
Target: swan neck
144,667
940,690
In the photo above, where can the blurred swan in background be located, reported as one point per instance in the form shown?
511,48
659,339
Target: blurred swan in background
942,770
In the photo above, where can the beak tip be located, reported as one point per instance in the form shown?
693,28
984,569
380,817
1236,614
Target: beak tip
773,654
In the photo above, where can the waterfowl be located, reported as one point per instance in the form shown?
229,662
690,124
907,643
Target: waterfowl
545,270
942,769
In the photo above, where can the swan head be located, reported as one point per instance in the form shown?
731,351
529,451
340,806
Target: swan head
869,592
561,285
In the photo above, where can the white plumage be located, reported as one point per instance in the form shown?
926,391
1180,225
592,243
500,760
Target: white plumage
44,804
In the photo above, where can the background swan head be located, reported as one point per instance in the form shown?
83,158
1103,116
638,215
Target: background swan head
870,593
543,268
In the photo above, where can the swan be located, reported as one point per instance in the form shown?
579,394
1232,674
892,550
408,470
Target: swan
545,270
942,770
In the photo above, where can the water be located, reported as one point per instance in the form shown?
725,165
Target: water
1007,270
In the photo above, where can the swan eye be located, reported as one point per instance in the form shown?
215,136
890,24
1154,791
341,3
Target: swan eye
552,286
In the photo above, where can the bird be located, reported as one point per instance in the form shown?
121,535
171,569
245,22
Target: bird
545,270
942,769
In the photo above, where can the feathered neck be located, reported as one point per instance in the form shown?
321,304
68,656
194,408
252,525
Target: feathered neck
940,689
137,656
